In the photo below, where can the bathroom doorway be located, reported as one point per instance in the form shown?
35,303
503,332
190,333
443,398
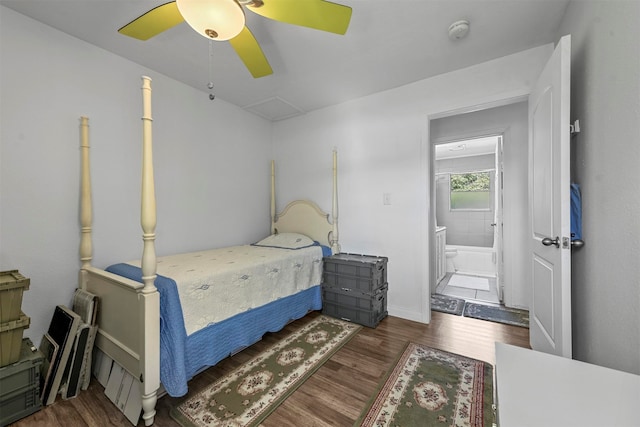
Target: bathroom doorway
468,185
510,122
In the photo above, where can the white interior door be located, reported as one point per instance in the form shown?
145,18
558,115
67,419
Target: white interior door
549,201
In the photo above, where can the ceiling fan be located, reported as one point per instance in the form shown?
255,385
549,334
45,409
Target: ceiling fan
224,20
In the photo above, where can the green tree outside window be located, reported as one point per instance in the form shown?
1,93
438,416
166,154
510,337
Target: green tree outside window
470,191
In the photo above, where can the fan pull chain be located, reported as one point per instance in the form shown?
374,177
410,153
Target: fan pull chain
210,84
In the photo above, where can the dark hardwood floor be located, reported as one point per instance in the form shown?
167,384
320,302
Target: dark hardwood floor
334,396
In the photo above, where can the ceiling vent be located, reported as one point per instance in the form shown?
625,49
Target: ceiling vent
274,109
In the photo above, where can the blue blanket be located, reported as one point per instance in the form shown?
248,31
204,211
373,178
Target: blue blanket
182,356
576,212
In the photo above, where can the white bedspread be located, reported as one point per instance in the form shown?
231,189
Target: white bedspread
219,283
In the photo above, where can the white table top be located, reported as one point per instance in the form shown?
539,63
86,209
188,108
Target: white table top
538,389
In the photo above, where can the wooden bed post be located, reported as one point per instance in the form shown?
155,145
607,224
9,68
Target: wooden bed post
149,298
335,246
273,197
86,214
148,201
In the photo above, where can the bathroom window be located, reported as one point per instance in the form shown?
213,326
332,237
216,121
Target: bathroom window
470,191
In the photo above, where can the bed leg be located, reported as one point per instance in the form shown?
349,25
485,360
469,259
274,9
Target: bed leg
149,408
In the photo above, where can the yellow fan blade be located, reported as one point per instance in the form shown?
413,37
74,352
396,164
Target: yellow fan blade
317,14
248,49
153,22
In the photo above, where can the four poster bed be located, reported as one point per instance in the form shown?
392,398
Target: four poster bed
159,320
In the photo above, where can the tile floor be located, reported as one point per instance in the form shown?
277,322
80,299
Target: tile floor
490,296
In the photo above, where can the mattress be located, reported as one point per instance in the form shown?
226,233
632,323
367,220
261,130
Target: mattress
216,284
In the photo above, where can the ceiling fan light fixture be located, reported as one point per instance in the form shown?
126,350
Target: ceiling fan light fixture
214,19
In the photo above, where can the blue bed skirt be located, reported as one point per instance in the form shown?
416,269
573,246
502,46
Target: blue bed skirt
182,356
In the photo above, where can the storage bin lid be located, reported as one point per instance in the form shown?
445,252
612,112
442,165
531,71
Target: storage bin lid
22,322
358,257
13,279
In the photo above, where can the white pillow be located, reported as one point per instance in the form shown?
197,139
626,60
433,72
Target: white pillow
286,241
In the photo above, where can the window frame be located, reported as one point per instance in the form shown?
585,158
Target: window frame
489,198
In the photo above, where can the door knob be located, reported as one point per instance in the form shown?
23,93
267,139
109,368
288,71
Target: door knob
548,241
578,243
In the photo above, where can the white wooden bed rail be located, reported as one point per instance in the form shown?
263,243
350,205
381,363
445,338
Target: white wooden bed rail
129,311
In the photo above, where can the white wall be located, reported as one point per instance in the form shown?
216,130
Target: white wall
211,162
605,97
382,143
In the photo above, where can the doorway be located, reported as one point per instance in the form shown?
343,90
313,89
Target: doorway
509,122
469,200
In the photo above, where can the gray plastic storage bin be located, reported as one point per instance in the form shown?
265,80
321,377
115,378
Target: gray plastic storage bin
348,282
365,273
19,405
20,385
370,318
355,299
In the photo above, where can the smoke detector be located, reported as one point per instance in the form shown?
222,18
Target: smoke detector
458,29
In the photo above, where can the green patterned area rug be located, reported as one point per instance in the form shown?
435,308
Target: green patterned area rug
246,396
430,387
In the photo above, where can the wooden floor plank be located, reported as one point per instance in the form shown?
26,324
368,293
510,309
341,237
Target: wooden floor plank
334,395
